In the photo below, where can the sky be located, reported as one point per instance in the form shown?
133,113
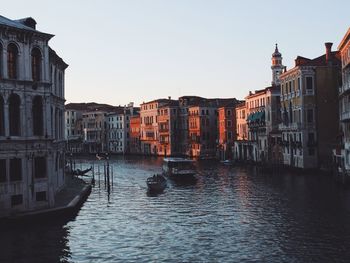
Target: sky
122,51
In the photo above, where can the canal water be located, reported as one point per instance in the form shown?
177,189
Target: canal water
229,214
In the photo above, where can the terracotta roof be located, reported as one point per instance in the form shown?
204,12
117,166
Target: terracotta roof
321,60
344,40
91,106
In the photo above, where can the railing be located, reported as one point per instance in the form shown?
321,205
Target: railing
163,130
290,126
345,115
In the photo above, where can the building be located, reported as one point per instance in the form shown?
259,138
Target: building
241,121
227,130
73,128
242,151
95,131
183,129
309,110
258,135
168,144
203,130
118,139
31,118
135,134
149,125
263,119
343,152
116,132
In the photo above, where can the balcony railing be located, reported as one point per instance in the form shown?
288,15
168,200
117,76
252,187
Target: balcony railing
345,88
290,126
163,130
345,116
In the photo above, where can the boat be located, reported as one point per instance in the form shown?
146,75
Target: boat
79,172
179,168
227,162
156,183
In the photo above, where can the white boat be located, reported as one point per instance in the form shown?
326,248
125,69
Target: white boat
179,168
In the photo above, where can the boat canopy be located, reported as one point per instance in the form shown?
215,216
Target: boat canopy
177,160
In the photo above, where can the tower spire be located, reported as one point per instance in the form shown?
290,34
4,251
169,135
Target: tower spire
276,66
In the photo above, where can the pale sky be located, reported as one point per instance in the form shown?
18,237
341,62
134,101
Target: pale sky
127,50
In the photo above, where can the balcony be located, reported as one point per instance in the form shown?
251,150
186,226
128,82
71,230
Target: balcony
290,126
345,88
345,116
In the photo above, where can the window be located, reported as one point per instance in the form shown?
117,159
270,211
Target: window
12,53
310,115
40,196
2,170
2,117
311,151
311,137
14,114
36,64
37,112
16,200
15,169
229,123
309,83
40,167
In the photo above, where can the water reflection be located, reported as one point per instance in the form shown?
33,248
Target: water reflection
35,244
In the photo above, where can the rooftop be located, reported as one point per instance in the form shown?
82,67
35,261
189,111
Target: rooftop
27,24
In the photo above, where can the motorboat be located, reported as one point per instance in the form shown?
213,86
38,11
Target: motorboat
179,168
156,183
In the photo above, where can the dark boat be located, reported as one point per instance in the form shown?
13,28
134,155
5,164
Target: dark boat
79,172
156,183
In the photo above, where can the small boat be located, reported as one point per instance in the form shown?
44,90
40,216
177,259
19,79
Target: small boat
156,183
79,172
227,162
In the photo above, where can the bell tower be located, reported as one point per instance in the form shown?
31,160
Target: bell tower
276,67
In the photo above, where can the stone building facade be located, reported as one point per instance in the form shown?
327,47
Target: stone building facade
31,118
344,105
309,110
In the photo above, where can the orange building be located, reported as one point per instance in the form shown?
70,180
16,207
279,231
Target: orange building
241,121
168,129
202,120
135,127
149,126
227,130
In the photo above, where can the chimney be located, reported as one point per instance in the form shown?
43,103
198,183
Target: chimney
169,97
328,50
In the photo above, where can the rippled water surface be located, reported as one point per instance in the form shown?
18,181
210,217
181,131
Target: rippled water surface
230,214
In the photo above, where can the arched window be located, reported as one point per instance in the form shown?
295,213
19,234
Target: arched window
14,114
2,117
36,64
12,56
37,111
